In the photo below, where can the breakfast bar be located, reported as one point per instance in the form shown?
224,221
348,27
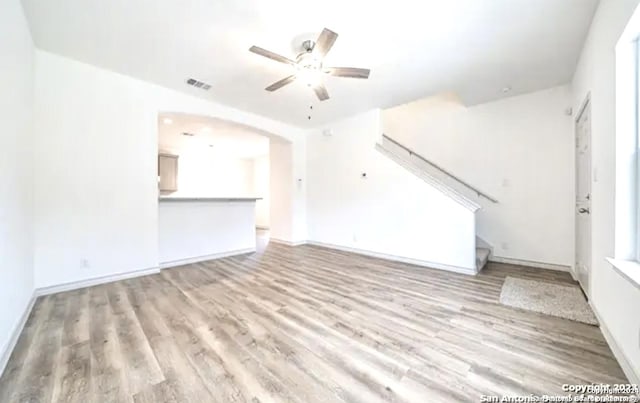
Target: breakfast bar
194,229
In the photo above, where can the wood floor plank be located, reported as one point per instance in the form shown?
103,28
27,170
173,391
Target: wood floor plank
9,382
37,380
213,371
139,363
167,391
300,324
180,373
76,321
107,366
268,344
73,382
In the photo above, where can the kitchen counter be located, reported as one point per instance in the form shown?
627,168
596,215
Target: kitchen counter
194,229
208,199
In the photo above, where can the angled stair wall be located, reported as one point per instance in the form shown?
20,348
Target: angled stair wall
362,200
513,150
439,174
406,162
454,188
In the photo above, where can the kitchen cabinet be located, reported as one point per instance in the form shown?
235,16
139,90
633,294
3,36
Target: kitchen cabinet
167,173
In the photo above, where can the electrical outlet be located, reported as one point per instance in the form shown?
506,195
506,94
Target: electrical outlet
504,246
355,238
84,263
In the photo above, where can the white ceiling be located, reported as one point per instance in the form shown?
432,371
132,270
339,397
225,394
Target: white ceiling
219,137
414,48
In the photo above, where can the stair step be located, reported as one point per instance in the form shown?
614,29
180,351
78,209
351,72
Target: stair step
482,257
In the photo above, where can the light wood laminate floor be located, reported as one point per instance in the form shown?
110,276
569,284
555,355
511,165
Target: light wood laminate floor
302,324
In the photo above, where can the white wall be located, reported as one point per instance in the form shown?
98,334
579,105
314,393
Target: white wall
287,191
299,190
281,185
16,170
518,150
615,299
390,211
203,172
261,189
95,168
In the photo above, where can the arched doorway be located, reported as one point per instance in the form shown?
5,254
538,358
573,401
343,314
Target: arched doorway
214,167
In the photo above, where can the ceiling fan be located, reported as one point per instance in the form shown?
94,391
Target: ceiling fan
308,65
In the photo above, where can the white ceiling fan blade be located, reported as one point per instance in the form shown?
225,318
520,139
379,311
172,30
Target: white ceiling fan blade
281,83
351,72
273,56
325,41
321,92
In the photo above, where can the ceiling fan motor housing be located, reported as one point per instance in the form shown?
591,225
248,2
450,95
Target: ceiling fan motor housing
308,45
307,59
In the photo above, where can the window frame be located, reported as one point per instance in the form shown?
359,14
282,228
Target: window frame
636,127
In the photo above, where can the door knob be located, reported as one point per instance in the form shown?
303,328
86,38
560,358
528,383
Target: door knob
583,210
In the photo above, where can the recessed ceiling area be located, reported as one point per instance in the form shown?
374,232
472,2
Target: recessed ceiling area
204,133
414,49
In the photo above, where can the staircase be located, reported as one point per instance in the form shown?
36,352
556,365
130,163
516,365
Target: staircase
450,185
482,257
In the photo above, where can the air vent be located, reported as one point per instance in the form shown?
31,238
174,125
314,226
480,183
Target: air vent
198,84
188,134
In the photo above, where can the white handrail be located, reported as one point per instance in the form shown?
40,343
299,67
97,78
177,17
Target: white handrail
452,176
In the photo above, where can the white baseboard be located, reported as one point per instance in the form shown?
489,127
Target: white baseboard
416,262
288,243
529,263
572,271
196,259
131,274
617,351
15,334
94,281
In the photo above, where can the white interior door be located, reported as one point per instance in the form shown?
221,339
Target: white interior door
583,197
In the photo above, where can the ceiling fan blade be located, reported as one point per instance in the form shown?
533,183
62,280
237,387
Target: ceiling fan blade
279,84
351,72
321,92
273,56
325,42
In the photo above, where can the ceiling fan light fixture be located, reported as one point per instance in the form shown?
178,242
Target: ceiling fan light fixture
309,76
308,65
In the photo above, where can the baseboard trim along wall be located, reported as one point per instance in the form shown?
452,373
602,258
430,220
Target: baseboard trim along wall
94,281
196,259
394,258
131,274
530,263
15,334
617,351
288,243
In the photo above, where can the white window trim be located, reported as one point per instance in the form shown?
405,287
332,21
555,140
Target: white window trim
629,269
627,190
636,126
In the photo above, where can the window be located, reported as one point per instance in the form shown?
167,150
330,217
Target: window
635,176
627,141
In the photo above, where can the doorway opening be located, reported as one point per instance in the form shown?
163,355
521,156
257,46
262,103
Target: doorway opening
220,188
